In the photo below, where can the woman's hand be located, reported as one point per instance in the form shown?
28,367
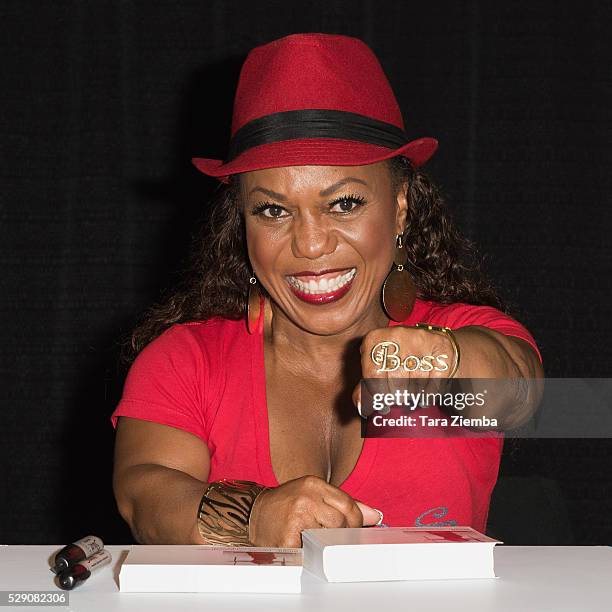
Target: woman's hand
279,515
401,352
404,352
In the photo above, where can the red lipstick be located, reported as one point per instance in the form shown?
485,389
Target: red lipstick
320,273
322,298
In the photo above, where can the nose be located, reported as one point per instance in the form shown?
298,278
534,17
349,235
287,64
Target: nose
312,239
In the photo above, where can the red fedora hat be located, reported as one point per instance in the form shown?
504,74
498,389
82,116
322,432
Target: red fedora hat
314,99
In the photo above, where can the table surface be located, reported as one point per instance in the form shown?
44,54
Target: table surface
537,578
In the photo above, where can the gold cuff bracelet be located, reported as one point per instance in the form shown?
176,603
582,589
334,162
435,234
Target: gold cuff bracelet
225,512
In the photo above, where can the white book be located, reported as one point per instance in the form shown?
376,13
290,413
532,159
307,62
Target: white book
211,569
398,553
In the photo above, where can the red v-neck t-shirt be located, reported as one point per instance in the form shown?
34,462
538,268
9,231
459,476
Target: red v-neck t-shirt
208,378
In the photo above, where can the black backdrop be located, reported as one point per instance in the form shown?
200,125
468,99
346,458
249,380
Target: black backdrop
104,103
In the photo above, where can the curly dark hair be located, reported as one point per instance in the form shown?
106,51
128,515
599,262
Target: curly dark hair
446,266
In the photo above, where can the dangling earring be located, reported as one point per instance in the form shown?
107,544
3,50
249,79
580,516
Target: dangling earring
253,304
398,290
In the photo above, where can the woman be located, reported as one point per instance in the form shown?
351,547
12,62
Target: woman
326,229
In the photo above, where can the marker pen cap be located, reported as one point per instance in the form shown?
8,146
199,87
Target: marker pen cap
81,571
75,552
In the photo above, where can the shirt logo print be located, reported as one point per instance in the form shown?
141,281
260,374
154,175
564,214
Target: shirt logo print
438,512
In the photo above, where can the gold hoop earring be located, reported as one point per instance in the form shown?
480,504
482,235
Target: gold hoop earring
398,290
253,306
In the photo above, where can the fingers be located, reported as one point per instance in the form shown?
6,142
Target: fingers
336,504
398,360
329,517
404,352
370,515
341,510
344,504
279,515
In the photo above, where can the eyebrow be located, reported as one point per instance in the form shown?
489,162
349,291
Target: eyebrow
327,191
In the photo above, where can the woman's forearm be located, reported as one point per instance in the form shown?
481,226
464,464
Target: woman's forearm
486,353
159,504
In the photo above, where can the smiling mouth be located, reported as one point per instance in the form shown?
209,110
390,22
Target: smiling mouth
322,289
322,285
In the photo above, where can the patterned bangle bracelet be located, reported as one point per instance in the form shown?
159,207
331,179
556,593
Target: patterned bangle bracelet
448,332
225,511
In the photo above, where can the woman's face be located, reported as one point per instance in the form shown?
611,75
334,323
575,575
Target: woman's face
321,240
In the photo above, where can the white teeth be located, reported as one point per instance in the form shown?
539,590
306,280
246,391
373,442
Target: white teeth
324,285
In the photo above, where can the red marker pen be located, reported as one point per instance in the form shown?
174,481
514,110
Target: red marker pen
80,572
75,552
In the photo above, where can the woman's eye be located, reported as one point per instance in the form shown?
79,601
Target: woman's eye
274,209
348,204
